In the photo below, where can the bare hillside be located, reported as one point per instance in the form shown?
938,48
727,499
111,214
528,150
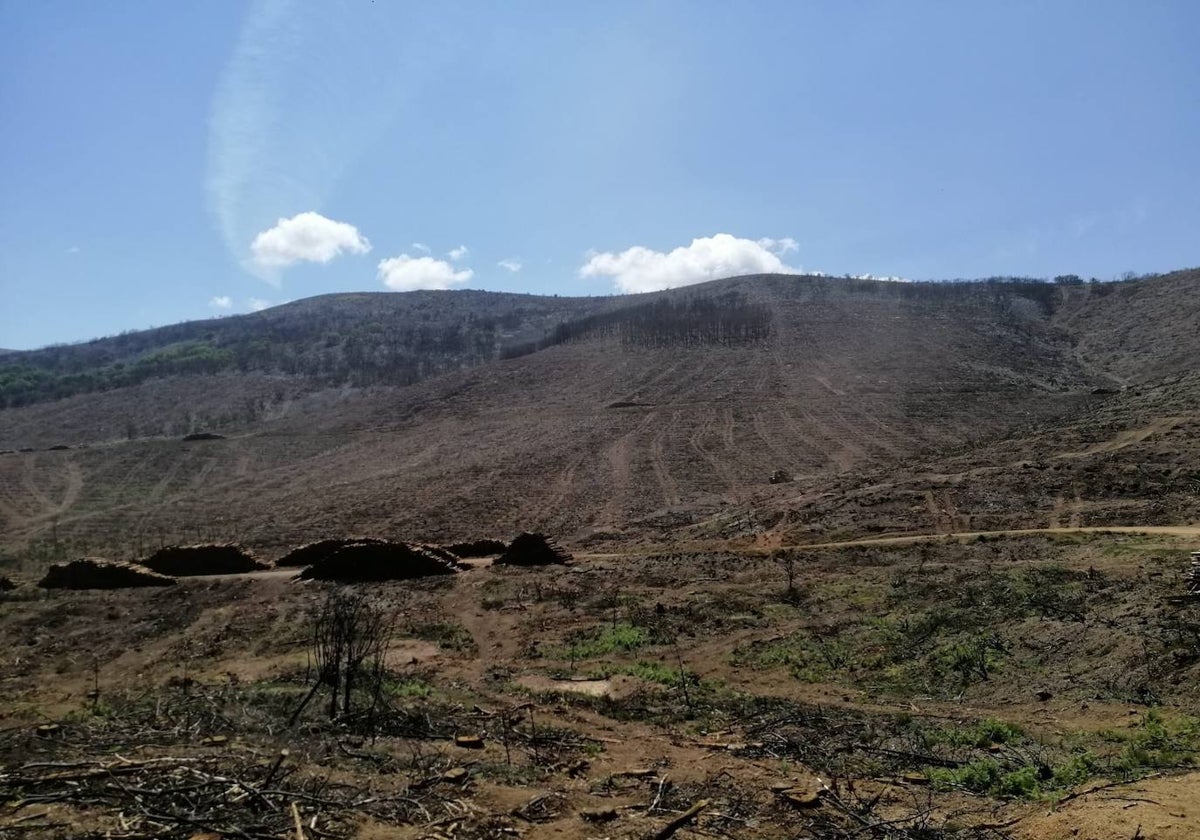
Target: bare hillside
610,431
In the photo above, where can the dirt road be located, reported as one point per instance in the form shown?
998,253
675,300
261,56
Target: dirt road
907,539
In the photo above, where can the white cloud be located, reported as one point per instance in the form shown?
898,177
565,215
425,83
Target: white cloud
257,304
640,269
221,302
74,249
511,264
780,246
306,237
457,254
422,247
405,273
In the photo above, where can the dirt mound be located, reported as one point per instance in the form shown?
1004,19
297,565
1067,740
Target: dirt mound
477,548
314,552
533,550
94,573
213,559
367,562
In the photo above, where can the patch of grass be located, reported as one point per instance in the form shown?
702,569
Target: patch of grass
980,734
1155,742
1016,780
621,637
407,689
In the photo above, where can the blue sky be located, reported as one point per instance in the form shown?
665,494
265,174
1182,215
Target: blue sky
170,161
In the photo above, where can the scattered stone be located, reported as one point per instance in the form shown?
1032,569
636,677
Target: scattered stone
533,550
208,559
94,573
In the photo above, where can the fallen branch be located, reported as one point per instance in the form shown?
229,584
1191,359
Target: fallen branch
679,822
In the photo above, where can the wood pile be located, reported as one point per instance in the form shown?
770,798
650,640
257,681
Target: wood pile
95,573
314,552
477,548
533,550
210,559
379,561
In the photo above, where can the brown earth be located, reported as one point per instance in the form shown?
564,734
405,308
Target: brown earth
591,657
963,617
895,410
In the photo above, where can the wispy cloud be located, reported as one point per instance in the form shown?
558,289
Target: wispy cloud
406,274
641,269
290,114
221,302
458,254
422,247
257,304
510,264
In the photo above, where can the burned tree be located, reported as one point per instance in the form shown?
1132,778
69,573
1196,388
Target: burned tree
348,649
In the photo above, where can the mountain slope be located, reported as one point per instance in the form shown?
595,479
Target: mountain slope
609,432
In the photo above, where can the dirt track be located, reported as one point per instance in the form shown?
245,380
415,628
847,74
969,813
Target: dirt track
909,539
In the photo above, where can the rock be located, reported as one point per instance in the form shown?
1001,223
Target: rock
469,742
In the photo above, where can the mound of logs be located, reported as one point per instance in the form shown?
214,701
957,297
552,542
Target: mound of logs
210,559
379,561
477,548
94,573
533,550
314,552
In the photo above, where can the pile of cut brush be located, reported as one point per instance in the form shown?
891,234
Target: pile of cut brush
226,795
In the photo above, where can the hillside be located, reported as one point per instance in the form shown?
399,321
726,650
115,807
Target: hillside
360,339
624,419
